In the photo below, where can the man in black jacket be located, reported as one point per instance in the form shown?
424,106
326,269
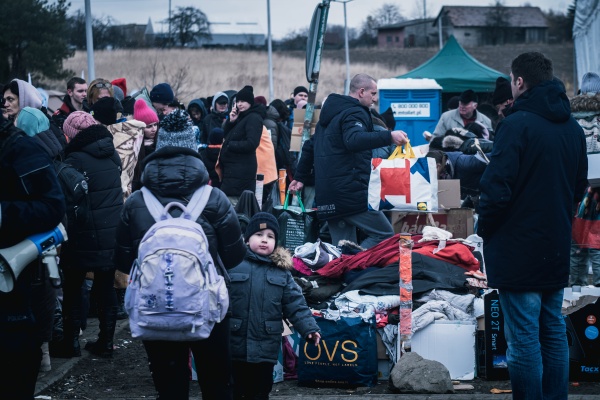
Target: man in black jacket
31,201
343,141
537,171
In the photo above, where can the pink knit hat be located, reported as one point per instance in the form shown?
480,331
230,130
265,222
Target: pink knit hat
76,122
142,112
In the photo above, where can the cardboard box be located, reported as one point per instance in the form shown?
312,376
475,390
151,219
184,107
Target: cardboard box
450,342
449,193
383,369
584,343
381,349
594,170
491,345
296,139
458,221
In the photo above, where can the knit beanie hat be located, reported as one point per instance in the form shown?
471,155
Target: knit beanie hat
162,93
105,111
246,94
300,89
468,96
76,122
452,103
260,221
502,92
260,100
389,119
28,95
121,83
118,93
590,83
216,136
32,121
176,129
142,112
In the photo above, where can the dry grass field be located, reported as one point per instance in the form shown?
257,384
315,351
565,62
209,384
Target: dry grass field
197,73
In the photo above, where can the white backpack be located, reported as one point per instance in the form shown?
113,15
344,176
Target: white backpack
175,292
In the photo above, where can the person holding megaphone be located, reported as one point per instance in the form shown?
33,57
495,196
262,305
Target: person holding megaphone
31,203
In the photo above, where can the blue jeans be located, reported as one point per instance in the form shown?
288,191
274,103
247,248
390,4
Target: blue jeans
538,352
579,265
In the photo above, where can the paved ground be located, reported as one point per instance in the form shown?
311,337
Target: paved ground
63,368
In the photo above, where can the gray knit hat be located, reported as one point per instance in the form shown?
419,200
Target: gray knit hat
590,83
176,129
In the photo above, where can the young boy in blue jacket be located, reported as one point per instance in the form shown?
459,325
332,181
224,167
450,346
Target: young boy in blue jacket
262,293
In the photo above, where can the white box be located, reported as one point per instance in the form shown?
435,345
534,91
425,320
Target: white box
450,342
594,169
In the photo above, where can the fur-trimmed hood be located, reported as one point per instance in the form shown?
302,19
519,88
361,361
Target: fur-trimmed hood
282,258
585,104
452,142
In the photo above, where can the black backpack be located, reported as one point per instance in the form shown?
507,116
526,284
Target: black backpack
282,152
75,189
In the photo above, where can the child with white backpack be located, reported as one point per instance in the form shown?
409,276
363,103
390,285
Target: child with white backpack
173,174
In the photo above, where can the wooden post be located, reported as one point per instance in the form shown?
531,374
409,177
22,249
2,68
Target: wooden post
406,289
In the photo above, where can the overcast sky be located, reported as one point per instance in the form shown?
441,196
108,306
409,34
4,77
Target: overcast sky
286,15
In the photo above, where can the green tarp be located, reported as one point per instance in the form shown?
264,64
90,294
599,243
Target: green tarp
455,70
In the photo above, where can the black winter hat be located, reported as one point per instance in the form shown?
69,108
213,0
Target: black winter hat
502,92
388,118
105,111
246,94
300,89
216,136
452,103
468,96
162,93
260,221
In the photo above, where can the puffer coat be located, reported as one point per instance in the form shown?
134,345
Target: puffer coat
174,174
263,292
93,153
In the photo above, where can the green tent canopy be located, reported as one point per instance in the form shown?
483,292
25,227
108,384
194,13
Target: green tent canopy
456,70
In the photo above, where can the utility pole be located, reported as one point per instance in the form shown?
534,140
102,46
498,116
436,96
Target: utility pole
270,51
89,41
347,47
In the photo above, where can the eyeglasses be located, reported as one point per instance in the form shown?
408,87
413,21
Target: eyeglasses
7,100
103,85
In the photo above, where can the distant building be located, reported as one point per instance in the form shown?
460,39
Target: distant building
415,33
247,34
133,35
478,26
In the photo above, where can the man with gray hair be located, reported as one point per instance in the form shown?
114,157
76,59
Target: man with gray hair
343,141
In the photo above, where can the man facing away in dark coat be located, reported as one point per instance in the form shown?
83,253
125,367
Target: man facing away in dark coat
343,141
537,171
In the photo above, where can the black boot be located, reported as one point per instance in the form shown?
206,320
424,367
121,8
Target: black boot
103,347
68,347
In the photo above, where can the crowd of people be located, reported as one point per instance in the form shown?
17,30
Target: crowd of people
121,141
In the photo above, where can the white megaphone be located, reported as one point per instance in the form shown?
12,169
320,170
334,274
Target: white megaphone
13,260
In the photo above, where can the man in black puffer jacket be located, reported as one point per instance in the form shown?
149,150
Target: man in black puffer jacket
174,174
343,141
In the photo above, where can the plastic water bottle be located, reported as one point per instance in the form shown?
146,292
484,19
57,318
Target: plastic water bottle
260,181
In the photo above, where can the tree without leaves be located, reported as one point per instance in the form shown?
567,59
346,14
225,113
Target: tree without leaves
387,14
189,24
497,21
102,32
34,39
